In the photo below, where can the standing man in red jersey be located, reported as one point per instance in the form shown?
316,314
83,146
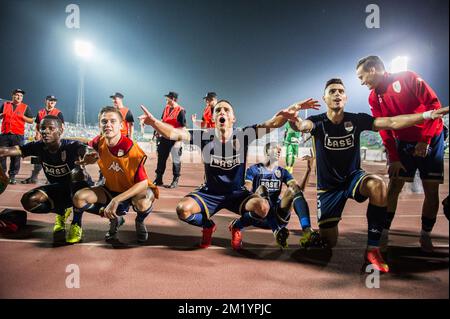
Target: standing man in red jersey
420,147
49,109
14,115
174,115
207,117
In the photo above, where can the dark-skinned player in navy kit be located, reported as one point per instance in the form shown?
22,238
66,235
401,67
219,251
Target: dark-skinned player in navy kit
58,157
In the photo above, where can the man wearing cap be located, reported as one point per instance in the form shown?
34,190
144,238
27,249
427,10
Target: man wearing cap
49,109
174,115
14,114
128,119
207,118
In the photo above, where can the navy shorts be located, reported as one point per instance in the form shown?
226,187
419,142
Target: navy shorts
60,195
211,203
331,203
431,167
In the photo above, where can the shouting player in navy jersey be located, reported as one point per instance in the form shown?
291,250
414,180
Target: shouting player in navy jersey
336,137
58,157
224,152
267,179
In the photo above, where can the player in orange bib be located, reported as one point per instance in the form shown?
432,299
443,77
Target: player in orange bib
126,182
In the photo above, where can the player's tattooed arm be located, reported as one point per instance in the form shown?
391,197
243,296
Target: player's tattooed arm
299,125
404,121
164,129
10,151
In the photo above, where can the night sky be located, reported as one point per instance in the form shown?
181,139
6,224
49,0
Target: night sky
259,55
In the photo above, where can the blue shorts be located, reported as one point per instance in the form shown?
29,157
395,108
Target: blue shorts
210,203
431,167
331,203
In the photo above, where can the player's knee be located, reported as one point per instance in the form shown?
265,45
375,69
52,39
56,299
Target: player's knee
183,210
261,207
141,205
30,200
79,199
377,189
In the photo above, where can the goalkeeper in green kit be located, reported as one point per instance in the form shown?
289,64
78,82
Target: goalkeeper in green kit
291,140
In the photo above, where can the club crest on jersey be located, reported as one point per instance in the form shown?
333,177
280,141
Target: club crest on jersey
339,143
348,126
278,173
225,163
120,153
63,156
115,167
397,86
56,170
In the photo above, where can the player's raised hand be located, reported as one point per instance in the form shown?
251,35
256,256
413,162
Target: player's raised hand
306,104
88,159
194,118
439,113
147,118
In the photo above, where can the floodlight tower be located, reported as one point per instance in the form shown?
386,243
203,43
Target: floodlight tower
83,50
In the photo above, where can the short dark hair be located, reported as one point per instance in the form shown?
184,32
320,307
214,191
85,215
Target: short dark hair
225,101
53,118
371,61
110,109
269,145
333,81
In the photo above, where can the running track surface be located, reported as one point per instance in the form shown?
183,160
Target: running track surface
170,265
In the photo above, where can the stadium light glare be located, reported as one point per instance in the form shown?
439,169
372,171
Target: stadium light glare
399,64
83,49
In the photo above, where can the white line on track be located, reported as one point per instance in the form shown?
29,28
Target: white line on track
97,244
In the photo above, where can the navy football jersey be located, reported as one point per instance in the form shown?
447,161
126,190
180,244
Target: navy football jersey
225,163
258,174
57,166
337,147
